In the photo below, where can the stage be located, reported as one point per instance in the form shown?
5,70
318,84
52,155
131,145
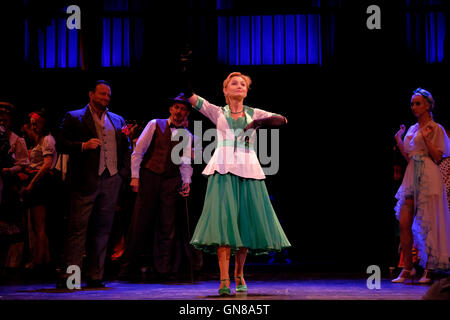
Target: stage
345,89
271,295
260,287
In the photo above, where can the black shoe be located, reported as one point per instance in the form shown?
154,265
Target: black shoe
95,283
166,277
61,283
132,274
200,276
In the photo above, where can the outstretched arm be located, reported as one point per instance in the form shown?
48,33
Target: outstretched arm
269,122
193,99
187,90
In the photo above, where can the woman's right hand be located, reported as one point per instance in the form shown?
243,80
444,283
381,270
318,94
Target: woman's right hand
91,144
399,134
134,184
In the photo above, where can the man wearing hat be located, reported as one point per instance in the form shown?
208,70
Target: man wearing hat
159,177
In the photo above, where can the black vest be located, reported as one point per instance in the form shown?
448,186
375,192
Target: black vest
158,156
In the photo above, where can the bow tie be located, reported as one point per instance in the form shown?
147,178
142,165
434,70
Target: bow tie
174,126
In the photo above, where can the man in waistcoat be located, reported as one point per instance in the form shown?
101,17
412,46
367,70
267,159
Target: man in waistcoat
99,162
158,181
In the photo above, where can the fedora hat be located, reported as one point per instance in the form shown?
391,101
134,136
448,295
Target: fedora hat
179,99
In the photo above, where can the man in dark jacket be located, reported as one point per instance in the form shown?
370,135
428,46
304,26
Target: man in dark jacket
99,162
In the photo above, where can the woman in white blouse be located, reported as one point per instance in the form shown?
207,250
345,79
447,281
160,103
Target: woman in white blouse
38,192
237,215
422,208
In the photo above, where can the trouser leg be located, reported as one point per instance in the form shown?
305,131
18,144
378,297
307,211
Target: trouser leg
81,206
165,234
101,225
145,207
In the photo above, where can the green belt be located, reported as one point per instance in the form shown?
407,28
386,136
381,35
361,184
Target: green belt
236,144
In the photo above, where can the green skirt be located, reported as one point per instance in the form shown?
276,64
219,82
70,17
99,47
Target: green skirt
238,213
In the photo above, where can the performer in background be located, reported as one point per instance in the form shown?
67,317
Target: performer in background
13,161
422,208
444,166
39,188
157,181
237,215
13,153
99,162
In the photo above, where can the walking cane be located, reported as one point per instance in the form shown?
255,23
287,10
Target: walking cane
188,249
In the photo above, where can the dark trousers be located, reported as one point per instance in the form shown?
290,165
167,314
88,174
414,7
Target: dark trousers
153,221
91,216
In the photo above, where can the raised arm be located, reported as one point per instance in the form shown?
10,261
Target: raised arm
187,90
210,110
193,99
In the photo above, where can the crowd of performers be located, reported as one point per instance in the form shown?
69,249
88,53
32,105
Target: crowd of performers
98,156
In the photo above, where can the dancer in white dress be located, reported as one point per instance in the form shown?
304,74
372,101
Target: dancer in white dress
422,208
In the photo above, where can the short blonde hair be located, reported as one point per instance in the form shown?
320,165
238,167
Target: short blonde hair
246,78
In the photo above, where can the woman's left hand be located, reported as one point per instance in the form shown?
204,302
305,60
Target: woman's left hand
252,125
249,126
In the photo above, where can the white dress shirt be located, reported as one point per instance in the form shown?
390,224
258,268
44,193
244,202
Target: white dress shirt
143,144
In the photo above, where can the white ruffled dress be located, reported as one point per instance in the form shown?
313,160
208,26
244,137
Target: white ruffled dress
423,182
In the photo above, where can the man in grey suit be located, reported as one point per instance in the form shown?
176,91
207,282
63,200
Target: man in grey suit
99,162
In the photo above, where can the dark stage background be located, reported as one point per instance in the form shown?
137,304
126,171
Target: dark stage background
334,189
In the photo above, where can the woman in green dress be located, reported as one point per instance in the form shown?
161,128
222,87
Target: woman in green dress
237,217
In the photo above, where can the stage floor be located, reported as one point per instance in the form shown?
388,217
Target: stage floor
299,287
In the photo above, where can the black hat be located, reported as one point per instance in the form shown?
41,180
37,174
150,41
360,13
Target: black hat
180,99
